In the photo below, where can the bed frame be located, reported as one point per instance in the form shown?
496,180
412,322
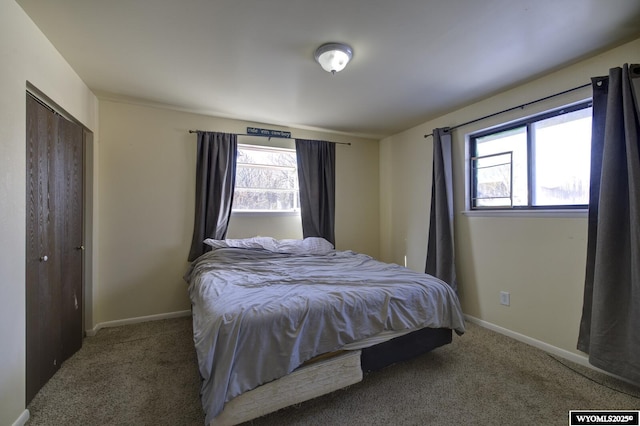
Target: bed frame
327,374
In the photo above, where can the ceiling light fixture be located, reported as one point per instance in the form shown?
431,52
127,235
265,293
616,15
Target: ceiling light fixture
333,57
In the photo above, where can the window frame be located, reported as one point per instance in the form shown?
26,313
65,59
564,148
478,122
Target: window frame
528,124
266,212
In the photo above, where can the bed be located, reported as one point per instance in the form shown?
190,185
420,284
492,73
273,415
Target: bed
277,322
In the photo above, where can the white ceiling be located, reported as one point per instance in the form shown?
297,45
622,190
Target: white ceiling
253,59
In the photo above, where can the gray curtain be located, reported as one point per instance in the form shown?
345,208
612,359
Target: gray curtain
610,324
215,181
440,248
317,180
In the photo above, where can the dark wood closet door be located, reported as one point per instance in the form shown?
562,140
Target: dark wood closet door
69,194
54,286
42,270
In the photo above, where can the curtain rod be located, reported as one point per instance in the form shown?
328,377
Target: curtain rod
516,107
261,136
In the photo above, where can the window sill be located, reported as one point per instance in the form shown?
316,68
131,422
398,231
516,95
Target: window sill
568,213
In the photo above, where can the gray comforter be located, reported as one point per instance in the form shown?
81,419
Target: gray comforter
258,315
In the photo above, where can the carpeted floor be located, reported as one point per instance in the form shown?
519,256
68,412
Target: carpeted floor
146,374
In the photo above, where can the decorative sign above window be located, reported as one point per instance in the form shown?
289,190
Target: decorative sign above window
268,132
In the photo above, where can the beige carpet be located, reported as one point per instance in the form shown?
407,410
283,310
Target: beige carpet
146,374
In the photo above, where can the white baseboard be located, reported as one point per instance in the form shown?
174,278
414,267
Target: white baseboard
554,350
127,321
22,420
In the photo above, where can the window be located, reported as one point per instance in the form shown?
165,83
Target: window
266,180
541,162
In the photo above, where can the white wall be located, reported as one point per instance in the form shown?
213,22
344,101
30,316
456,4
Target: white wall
25,55
540,261
146,181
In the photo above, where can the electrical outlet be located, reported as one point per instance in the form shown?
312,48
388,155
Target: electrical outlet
504,298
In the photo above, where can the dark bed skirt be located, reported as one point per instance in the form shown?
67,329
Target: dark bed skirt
404,347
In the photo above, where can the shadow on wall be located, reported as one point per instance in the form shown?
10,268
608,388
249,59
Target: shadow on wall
279,226
152,284
467,282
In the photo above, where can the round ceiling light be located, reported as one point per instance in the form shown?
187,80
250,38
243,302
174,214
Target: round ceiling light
333,57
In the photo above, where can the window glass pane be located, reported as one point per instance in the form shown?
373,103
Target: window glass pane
266,179
493,181
253,154
260,177
562,159
253,199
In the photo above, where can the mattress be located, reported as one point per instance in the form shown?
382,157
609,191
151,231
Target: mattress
259,313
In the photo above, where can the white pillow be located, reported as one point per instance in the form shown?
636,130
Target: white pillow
309,245
266,243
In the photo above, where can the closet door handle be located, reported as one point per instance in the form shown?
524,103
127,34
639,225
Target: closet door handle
44,258
80,248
